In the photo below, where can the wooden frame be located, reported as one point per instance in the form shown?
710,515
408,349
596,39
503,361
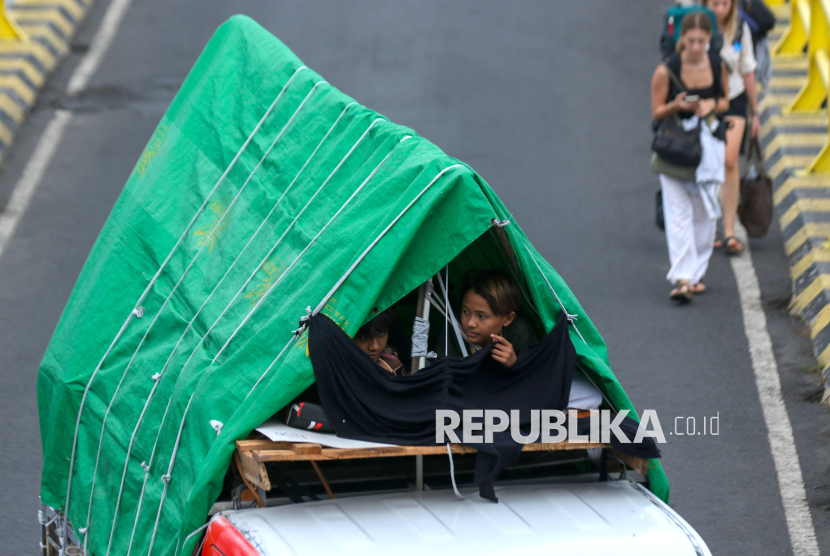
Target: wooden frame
251,455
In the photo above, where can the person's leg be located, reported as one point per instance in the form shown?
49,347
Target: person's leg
677,209
730,192
704,235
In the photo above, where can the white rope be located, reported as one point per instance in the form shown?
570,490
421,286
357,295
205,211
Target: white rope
196,532
456,328
570,318
257,268
244,249
504,256
452,475
166,477
205,243
153,281
446,315
438,307
307,247
383,233
351,268
146,476
127,463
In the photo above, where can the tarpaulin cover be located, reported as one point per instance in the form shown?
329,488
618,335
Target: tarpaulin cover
260,189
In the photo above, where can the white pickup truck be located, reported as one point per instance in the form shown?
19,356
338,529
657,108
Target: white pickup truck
575,517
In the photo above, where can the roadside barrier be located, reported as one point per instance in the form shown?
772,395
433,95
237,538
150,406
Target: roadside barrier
795,136
795,38
814,92
34,36
8,28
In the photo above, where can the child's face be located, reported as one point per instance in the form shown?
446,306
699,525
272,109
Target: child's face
372,346
479,321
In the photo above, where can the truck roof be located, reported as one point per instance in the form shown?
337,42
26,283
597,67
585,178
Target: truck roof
619,518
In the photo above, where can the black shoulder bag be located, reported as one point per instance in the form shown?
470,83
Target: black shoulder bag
672,143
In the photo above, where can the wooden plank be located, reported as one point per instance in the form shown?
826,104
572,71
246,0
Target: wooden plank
306,448
635,463
264,455
262,444
253,471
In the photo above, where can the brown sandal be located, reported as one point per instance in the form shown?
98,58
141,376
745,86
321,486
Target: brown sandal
733,245
682,293
698,288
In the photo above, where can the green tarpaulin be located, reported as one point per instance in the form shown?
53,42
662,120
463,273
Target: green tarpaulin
261,189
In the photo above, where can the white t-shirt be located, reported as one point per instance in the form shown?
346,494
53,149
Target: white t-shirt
739,61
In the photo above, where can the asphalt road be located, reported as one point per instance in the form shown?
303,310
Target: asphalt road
549,102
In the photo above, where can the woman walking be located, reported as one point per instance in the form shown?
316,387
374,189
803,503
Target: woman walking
692,85
738,55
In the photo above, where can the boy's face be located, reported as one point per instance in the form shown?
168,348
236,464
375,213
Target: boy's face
478,321
372,346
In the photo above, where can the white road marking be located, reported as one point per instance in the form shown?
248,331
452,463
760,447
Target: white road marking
29,180
779,429
100,44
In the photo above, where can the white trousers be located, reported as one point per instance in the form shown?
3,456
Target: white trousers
690,232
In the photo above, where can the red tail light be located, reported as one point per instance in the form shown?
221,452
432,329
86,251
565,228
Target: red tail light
223,539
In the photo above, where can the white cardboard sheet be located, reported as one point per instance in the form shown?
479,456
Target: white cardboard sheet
280,432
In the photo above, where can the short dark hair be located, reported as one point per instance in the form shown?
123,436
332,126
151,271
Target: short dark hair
378,326
500,291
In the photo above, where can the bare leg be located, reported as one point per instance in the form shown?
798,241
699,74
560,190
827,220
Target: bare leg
730,192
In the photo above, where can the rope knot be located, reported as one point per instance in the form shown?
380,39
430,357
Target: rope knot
138,312
145,467
83,530
156,376
499,223
304,321
217,425
570,318
166,479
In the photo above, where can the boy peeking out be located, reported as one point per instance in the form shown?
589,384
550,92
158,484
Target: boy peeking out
372,338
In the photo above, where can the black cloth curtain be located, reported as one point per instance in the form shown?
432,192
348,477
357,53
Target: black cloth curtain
365,402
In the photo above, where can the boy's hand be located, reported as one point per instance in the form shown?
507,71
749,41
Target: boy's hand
503,351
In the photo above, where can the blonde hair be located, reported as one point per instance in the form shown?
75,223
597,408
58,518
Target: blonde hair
730,29
693,20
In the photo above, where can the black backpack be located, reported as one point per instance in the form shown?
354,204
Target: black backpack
758,17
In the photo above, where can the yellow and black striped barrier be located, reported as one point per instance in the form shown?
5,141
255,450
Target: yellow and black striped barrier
795,136
34,36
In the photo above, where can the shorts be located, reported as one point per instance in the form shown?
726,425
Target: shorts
738,106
